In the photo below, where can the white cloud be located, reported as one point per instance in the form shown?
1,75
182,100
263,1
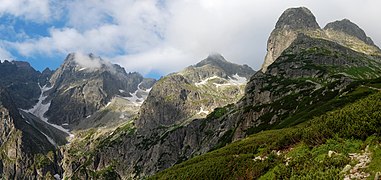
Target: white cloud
38,10
87,62
168,35
4,55
161,59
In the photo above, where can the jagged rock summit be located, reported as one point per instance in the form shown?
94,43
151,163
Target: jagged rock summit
167,128
297,18
196,90
230,69
85,83
350,28
294,21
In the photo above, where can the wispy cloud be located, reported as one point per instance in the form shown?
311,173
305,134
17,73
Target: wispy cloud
4,54
36,10
167,35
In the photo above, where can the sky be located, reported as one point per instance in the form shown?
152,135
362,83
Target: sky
157,37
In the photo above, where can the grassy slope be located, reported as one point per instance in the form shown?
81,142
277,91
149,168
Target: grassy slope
304,147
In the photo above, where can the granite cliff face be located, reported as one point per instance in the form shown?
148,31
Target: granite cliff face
167,129
21,80
348,27
312,73
350,35
306,70
300,20
94,94
84,84
126,126
292,22
193,92
25,151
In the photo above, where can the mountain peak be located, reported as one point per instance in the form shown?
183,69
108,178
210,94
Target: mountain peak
216,56
297,18
217,63
292,22
350,28
89,61
213,59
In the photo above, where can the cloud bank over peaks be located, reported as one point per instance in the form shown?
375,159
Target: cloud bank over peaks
164,35
88,61
36,10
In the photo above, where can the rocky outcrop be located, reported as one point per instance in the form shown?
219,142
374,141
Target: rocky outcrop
300,20
86,83
348,27
45,77
292,22
170,127
197,90
350,35
74,92
226,68
23,148
192,112
308,68
21,80
202,108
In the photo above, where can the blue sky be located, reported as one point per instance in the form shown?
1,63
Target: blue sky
16,29
156,37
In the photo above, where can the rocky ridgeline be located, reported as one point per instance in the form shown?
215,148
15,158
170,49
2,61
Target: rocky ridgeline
197,90
168,127
20,144
348,27
296,21
79,90
185,114
31,134
192,112
292,22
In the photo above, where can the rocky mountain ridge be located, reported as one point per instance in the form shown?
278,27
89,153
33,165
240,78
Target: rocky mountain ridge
86,89
348,27
175,101
31,136
287,105
301,20
211,83
129,127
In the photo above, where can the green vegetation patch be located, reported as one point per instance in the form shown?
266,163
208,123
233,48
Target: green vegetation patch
343,131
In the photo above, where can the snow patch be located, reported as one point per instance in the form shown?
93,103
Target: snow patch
57,177
108,104
202,111
40,109
203,82
236,80
49,139
121,91
70,87
135,99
